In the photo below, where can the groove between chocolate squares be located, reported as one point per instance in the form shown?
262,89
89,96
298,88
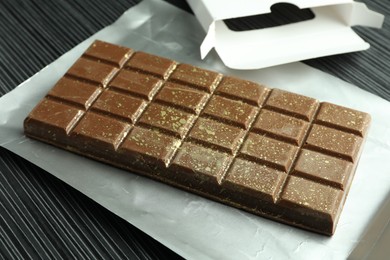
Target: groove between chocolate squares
123,119
92,102
144,109
248,130
337,127
292,166
232,97
317,179
92,58
163,77
91,82
84,80
286,112
171,70
194,121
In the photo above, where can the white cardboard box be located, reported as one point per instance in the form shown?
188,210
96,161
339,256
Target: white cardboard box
328,33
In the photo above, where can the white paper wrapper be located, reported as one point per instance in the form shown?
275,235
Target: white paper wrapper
192,226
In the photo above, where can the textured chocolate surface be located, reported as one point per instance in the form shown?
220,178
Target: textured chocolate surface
273,153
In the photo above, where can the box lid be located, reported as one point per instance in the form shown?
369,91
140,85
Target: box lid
328,33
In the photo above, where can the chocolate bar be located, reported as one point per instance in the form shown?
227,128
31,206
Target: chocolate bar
270,152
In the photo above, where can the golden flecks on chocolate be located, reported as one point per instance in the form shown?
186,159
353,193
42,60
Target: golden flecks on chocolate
172,120
277,125
108,52
95,131
218,135
151,143
292,104
343,118
254,179
334,142
244,90
185,98
148,63
231,111
311,198
123,106
136,83
75,91
54,118
268,151
196,77
92,71
323,168
195,159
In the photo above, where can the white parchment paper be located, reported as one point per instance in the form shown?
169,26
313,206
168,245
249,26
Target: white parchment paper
192,226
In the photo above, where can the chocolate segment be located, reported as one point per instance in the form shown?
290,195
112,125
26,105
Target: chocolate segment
196,161
217,135
182,97
106,52
136,83
292,104
279,126
151,64
99,132
334,142
57,118
323,168
247,91
343,118
91,71
115,104
75,91
255,179
319,203
199,78
148,146
270,152
172,120
230,111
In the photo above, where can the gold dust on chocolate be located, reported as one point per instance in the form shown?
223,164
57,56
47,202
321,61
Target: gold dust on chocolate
270,152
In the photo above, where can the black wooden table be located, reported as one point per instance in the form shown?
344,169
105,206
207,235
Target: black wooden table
40,216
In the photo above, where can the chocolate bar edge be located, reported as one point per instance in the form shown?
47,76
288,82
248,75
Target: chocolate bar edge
269,215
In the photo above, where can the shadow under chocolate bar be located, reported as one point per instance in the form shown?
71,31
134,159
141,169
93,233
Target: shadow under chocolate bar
270,152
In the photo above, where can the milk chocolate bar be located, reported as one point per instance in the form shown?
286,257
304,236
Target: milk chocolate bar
274,153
